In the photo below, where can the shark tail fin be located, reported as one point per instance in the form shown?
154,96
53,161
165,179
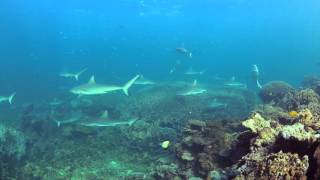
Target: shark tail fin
259,85
132,121
126,87
79,73
10,98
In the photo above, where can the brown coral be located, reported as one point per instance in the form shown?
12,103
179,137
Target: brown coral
283,166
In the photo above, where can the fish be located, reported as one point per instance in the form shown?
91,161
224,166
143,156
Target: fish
67,121
143,81
110,123
55,102
192,72
73,75
7,98
183,50
217,104
235,85
165,144
256,74
92,88
192,91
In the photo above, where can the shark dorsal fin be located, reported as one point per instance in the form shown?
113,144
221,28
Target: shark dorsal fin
195,82
92,80
105,115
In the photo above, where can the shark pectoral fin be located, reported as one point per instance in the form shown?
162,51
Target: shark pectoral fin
126,87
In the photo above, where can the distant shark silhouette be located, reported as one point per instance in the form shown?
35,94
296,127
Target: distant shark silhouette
7,98
73,75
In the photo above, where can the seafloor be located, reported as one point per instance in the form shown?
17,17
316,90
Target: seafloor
269,134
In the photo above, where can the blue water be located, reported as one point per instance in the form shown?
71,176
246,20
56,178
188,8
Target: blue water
119,38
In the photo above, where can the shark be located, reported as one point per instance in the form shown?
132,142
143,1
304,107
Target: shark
92,88
67,121
192,72
217,104
111,123
235,85
144,81
105,121
193,91
183,50
7,98
73,75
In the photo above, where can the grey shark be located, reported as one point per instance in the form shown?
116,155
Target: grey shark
193,91
109,123
192,72
144,81
67,121
217,104
92,88
7,98
235,85
73,75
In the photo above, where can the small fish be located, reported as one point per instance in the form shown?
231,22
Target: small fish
256,74
73,75
7,98
165,144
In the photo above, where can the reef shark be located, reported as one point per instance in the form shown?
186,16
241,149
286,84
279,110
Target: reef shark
183,50
111,123
7,98
67,121
217,104
192,72
92,88
105,121
193,91
73,75
144,81
235,85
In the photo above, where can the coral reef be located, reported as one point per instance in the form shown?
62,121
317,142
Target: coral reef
13,146
274,91
12,142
